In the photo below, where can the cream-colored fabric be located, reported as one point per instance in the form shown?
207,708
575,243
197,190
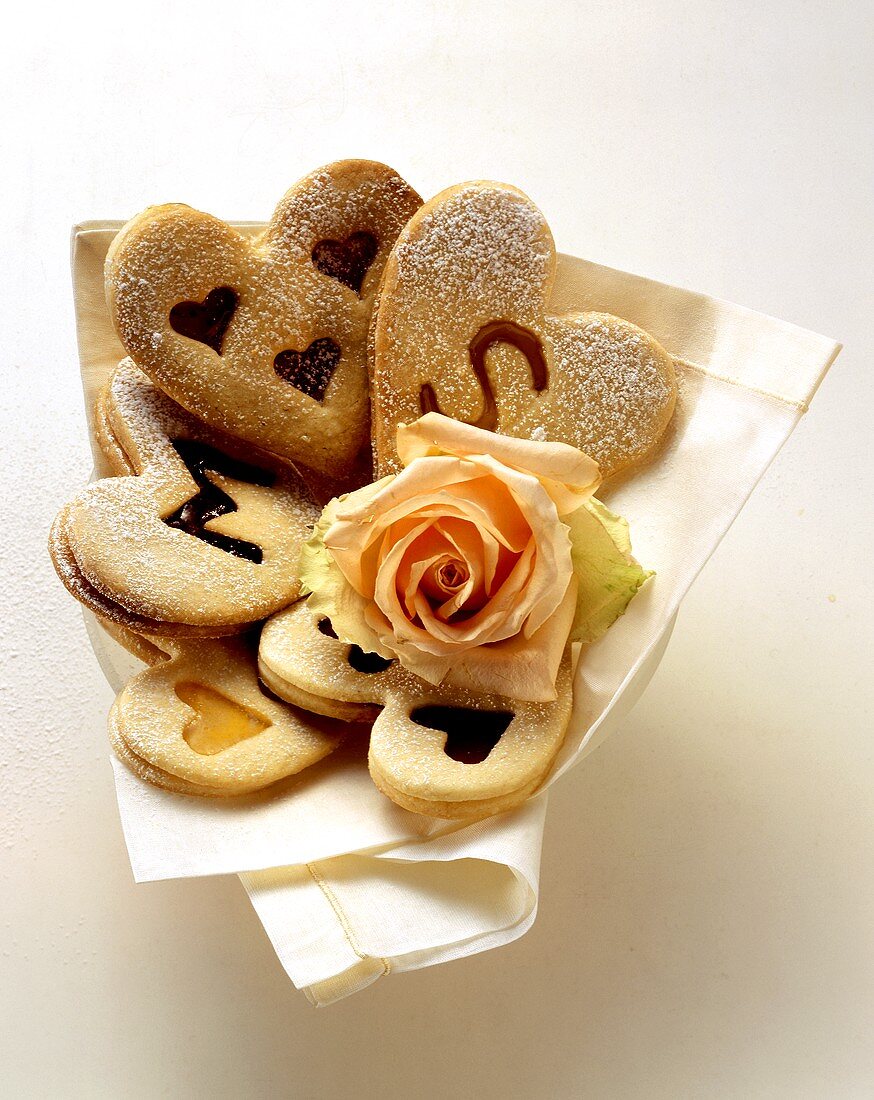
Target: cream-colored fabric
348,886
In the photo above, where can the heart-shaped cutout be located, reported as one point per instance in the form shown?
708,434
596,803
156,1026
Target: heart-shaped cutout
309,371
357,658
206,321
220,721
470,734
348,260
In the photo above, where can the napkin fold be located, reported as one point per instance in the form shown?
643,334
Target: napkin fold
350,887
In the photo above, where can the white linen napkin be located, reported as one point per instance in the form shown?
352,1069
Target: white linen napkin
348,886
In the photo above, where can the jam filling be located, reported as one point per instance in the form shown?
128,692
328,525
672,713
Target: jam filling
206,321
346,261
211,501
495,332
309,371
471,734
220,722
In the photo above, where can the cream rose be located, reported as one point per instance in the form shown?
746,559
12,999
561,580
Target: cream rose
463,565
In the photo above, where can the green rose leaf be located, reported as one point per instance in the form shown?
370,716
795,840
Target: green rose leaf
316,567
607,575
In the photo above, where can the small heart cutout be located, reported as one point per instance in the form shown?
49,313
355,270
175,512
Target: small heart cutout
220,723
471,734
206,321
346,261
309,371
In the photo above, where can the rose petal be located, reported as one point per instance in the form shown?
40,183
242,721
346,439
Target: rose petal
518,668
446,578
421,553
449,599
568,475
425,489
386,582
521,667
421,559
541,576
474,544
429,480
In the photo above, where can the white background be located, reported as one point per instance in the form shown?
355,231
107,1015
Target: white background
708,877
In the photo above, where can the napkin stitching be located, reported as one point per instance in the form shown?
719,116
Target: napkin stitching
802,406
331,897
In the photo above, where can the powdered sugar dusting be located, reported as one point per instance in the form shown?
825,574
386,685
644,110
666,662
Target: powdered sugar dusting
173,254
149,720
480,254
485,247
126,553
619,380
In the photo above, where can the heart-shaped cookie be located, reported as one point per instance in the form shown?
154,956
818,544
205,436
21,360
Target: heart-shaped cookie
201,537
440,751
198,721
464,328
265,338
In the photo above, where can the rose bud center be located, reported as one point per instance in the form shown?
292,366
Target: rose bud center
451,575
445,578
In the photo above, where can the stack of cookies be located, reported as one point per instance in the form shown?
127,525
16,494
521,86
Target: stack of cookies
267,375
